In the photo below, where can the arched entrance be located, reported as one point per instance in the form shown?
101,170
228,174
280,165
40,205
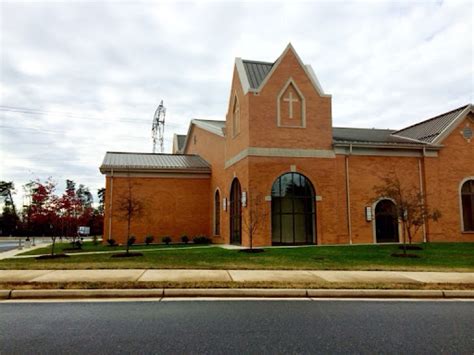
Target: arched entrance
235,212
386,222
293,210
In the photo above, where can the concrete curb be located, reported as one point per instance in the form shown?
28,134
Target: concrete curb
102,293
235,292
232,292
345,293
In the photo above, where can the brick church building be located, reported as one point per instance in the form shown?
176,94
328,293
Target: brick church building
277,159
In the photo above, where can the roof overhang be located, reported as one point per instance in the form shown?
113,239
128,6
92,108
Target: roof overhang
447,131
108,170
203,125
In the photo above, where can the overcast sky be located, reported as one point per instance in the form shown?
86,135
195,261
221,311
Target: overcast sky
82,78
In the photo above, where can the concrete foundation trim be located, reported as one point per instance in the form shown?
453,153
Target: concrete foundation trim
280,152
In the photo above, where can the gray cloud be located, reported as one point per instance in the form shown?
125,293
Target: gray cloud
91,74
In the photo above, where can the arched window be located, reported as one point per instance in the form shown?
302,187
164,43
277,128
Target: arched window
235,204
235,117
217,213
467,202
293,210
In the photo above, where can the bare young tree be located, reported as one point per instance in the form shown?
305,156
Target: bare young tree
411,207
255,216
128,208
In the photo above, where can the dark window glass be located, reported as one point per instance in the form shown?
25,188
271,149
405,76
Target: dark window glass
293,210
235,203
217,213
467,201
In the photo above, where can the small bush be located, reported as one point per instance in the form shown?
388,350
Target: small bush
149,239
131,240
201,239
77,244
185,239
166,240
111,242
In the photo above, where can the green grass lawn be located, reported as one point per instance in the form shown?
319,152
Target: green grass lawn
433,257
90,246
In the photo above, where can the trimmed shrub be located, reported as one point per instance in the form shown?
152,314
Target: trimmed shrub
185,239
131,240
201,239
111,242
166,240
149,239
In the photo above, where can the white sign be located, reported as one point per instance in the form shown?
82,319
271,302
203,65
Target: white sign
368,213
83,230
244,199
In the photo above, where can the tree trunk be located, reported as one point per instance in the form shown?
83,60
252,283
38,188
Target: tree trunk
405,238
52,245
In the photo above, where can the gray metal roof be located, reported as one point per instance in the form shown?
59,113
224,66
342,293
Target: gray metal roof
256,71
428,130
368,136
124,161
181,138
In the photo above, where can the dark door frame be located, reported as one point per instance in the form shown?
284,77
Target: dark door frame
388,221
235,212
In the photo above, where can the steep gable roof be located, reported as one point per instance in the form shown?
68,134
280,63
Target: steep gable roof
432,130
256,71
254,74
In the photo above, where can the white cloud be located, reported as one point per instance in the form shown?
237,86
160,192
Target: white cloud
91,74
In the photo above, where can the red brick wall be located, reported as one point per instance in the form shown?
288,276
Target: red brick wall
171,207
264,131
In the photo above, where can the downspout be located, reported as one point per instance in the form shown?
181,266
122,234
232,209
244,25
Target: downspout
111,201
422,190
348,197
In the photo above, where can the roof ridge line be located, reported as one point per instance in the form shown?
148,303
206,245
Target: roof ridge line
257,61
432,118
144,153
373,128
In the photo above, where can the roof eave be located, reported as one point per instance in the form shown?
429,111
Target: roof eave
386,145
140,169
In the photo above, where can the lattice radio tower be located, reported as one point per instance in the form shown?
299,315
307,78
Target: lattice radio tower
158,127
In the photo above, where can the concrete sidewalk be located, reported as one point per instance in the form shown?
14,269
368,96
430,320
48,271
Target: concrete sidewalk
239,276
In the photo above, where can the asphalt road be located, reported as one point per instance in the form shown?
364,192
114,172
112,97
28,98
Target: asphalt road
241,327
6,246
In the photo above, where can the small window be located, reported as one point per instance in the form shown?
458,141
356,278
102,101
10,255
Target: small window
467,204
467,133
217,213
235,117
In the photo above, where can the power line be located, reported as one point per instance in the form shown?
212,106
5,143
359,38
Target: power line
42,130
32,111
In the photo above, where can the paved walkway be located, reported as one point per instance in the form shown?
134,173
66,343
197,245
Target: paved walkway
14,252
189,275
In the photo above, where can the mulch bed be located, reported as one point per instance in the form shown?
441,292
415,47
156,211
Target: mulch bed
49,256
401,255
125,255
410,247
252,251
